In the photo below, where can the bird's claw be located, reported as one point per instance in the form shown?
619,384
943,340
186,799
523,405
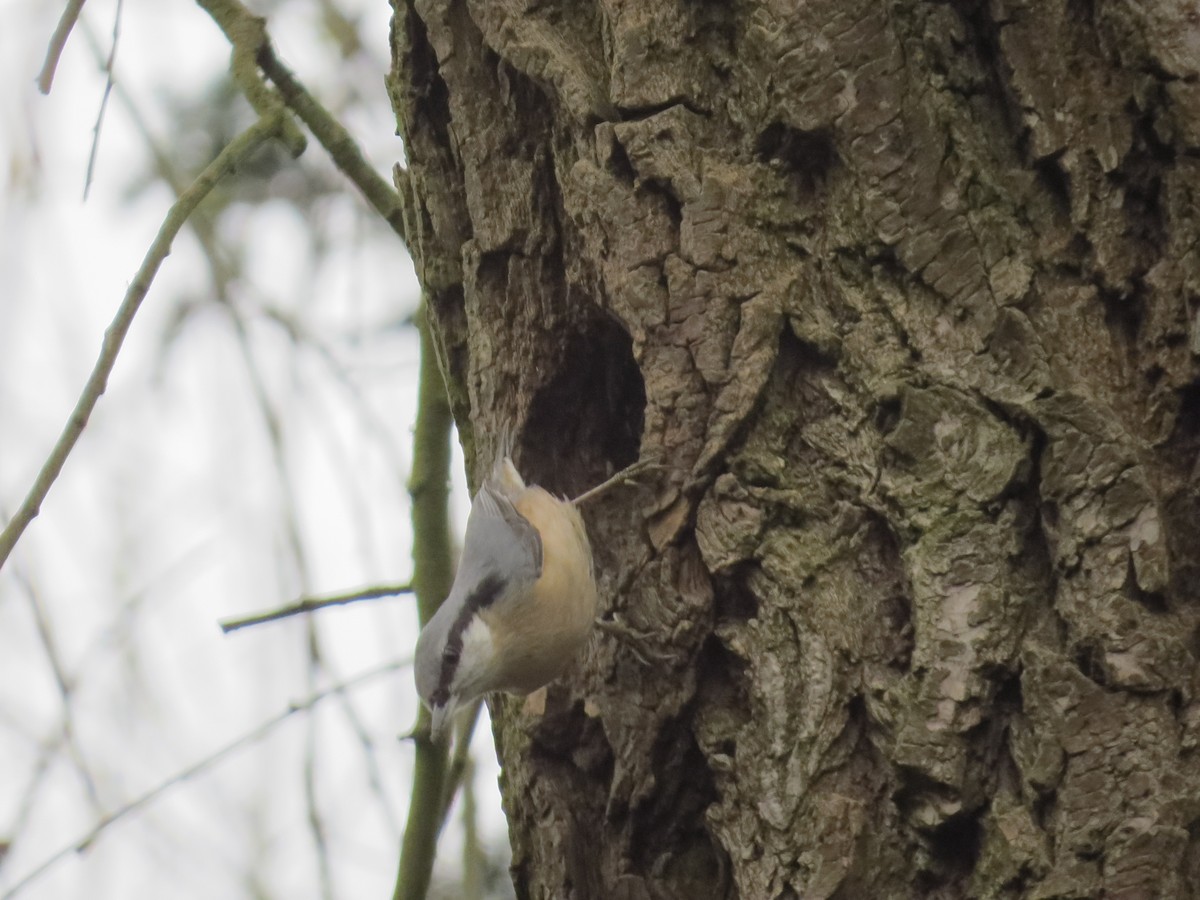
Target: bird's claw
640,643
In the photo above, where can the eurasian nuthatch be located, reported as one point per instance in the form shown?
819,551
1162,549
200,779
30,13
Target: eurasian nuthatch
523,600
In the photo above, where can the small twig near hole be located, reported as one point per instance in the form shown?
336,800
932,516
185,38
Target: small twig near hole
626,475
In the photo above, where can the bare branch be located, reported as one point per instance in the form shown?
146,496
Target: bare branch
312,604
238,149
629,473
58,40
108,86
336,140
248,34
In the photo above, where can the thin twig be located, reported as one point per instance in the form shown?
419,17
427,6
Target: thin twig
311,604
253,735
629,473
58,40
237,150
337,141
200,223
108,86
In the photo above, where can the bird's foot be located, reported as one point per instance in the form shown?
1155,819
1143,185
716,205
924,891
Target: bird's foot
640,643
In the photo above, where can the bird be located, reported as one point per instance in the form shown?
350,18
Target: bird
523,601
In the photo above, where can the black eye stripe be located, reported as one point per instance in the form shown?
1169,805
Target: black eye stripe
485,594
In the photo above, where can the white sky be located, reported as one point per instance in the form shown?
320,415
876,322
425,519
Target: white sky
172,512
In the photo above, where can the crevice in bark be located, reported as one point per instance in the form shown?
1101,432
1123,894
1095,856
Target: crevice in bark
455,355
1194,643
1192,875
560,734
1122,314
883,567
982,36
1153,602
734,600
887,414
1055,182
800,367
1082,15
1181,513
1089,660
915,788
638,113
618,162
671,203
898,619
1039,540
950,849
807,157
724,681
954,847
431,94
1142,203
715,24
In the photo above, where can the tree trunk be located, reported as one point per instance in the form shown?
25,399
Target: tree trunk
906,296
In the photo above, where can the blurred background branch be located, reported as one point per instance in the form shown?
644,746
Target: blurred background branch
312,604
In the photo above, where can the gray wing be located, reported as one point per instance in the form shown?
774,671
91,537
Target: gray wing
499,540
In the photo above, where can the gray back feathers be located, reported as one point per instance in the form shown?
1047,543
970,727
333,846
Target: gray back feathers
500,539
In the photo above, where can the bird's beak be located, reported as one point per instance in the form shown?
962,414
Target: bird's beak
443,719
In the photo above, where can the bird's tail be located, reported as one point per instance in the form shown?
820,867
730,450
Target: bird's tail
504,477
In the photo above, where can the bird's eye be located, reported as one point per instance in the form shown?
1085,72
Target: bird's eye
451,655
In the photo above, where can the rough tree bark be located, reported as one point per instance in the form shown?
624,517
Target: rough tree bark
907,294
